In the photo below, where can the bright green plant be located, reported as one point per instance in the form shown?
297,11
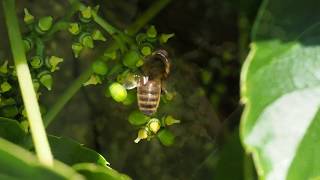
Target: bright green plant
279,86
23,120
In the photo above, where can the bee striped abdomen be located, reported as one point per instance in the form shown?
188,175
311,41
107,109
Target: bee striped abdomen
149,96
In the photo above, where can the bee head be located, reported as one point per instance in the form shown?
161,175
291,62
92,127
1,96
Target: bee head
157,65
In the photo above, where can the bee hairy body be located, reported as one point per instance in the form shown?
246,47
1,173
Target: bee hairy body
148,96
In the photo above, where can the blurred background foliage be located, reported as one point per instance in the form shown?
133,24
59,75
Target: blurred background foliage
211,41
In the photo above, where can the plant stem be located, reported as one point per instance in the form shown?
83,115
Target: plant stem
26,87
77,84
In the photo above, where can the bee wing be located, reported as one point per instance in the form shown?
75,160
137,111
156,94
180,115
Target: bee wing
134,81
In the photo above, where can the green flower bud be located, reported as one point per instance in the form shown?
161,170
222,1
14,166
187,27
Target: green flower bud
111,55
98,36
86,14
118,92
131,97
100,67
28,18
152,32
169,120
140,63
165,37
154,125
93,80
36,62
36,84
25,125
141,38
74,28
4,68
86,40
44,24
142,134
137,118
206,76
46,79
166,137
8,102
9,111
131,58
24,112
77,48
146,49
53,62
5,87
28,44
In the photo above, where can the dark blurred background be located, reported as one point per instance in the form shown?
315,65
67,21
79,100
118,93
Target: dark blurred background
211,42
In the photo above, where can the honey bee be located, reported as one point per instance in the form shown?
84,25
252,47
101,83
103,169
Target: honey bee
150,83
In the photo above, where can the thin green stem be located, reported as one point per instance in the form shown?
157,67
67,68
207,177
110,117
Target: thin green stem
26,87
77,84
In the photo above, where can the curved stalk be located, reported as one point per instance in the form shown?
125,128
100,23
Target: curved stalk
26,87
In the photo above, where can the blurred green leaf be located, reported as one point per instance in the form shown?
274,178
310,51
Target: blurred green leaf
71,152
230,159
11,131
280,87
17,163
94,172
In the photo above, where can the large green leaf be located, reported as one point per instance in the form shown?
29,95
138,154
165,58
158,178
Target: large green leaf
280,86
17,163
11,131
94,172
71,152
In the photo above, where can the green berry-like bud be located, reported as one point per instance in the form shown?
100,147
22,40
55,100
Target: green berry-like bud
142,134
28,18
86,40
44,24
53,62
77,48
166,137
146,49
141,38
93,80
9,111
169,120
25,125
131,58
165,37
28,44
74,28
154,125
46,79
98,36
36,84
36,62
8,102
118,92
152,32
111,55
137,118
4,68
86,14
5,87
140,63
100,67
131,97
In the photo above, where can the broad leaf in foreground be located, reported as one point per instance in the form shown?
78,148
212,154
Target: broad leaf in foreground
18,163
280,86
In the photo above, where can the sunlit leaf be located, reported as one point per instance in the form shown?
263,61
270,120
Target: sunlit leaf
280,86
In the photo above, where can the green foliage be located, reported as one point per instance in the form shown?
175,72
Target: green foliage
71,152
17,163
279,86
94,172
166,137
137,118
